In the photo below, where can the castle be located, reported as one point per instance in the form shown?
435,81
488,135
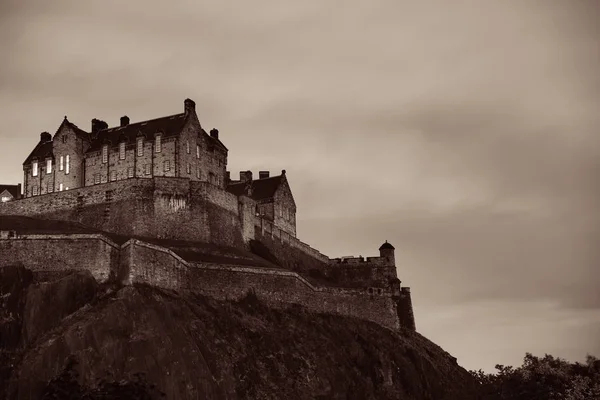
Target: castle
152,202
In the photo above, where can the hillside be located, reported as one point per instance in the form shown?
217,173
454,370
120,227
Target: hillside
192,347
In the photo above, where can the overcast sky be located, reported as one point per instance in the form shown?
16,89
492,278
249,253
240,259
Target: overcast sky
464,132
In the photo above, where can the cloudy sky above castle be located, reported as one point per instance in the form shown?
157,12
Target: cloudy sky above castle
466,135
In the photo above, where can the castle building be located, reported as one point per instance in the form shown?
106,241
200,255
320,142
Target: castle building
10,192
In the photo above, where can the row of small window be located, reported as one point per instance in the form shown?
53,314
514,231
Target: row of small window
64,165
148,171
35,190
140,149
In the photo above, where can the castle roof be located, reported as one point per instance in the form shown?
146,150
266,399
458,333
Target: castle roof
41,151
170,125
386,246
14,190
262,189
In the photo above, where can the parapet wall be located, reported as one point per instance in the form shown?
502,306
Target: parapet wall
55,253
139,262
159,207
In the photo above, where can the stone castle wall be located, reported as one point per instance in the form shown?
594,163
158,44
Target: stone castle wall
139,262
174,208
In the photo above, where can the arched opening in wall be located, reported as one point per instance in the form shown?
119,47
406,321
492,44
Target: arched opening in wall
370,290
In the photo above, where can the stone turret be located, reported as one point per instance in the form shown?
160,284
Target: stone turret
386,250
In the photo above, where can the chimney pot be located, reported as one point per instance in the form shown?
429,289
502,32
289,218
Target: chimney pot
124,120
263,174
214,133
189,106
98,124
245,176
45,137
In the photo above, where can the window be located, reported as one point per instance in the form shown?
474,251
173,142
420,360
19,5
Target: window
96,180
35,190
140,146
198,151
104,154
187,147
198,174
122,151
211,178
67,188
35,169
147,169
60,187
113,176
5,199
50,187
61,166
130,172
49,166
189,169
67,164
158,144
167,165
64,139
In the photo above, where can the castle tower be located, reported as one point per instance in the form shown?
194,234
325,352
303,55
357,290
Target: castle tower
387,250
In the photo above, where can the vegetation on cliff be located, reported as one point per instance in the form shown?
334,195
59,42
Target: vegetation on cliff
542,378
72,335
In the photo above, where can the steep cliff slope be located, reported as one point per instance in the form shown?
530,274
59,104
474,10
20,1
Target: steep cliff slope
191,347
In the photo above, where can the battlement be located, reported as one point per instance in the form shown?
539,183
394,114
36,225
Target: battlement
374,261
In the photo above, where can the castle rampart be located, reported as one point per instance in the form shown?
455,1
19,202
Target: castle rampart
160,207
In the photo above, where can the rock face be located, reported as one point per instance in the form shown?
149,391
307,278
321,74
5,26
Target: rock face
192,347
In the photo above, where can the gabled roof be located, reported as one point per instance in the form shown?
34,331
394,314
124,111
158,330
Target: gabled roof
262,189
41,151
78,131
12,189
169,126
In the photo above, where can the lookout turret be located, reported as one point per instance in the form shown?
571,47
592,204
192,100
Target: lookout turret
387,250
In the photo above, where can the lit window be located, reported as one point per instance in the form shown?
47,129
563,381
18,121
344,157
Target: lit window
167,165
104,154
122,151
35,168
187,147
35,190
198,173
113,176
189,169
61,165
158,144
67,164
130,172
5,199
60,187
140,146
197,151
147,169
49,166
67,188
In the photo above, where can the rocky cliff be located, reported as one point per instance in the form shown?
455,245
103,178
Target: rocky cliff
69,336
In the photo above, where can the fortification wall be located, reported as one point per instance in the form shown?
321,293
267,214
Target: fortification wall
159,207
405,310
56,253
290,252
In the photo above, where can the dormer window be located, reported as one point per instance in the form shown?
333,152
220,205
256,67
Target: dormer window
158,144
49,166
34,170
64,139
122,151
140,146
104,154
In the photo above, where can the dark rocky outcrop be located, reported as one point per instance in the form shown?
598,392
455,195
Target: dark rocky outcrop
74,336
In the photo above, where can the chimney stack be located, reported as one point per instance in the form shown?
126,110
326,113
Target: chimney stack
45,137
214,133
98,125
227,176
263,174
19,191
245,176
124,120
189,106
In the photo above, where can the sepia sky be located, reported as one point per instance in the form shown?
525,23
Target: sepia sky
466,133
